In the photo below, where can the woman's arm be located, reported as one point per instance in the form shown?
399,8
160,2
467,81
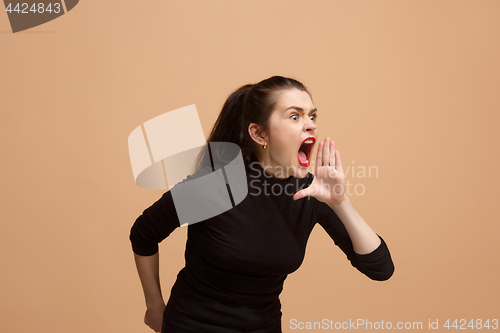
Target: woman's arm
148,269
364,239
155,224
149,274
369,258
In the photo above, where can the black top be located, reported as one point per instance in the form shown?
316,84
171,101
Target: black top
236,262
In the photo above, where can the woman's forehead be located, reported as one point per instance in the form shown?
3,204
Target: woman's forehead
294,97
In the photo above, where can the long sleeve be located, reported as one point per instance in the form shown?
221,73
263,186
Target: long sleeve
154,225
377,265
159,220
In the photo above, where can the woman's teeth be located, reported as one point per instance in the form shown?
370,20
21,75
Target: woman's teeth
308,141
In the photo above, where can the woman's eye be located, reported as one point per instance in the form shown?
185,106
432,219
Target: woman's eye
294,115
313,117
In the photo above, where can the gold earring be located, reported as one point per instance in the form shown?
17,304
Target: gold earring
265,145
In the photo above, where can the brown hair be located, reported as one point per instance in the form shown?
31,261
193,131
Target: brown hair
251,103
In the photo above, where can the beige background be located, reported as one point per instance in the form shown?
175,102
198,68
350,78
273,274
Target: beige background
410,87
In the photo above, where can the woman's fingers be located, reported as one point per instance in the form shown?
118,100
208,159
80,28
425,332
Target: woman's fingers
338,162
319,155
332,154
327,155
326,152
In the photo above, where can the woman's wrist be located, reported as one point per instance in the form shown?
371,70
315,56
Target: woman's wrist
155,304
335,205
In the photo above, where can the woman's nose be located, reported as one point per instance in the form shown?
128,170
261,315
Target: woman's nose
310,126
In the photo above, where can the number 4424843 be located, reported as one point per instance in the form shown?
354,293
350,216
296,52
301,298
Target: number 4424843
35,8
462,324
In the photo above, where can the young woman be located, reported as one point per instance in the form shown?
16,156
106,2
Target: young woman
237,261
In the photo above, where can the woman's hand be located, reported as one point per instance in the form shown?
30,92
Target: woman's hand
154,318
328,183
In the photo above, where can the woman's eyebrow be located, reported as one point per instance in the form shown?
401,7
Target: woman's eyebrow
300,109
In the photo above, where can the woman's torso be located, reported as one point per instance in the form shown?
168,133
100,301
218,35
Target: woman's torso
236,262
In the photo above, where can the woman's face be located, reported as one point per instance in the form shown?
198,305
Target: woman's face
291,135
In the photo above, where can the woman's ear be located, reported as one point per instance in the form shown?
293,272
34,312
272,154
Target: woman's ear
256,133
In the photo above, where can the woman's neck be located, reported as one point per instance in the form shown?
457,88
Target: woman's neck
277,171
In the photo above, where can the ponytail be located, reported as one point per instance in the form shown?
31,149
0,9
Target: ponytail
229,126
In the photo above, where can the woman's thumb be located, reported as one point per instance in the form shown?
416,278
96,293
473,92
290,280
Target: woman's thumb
302,193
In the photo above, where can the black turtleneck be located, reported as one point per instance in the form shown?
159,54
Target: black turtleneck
236,262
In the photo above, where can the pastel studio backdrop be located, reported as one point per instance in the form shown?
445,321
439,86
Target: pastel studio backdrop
409,88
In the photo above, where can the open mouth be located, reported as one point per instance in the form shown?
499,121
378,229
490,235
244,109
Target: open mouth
305,150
